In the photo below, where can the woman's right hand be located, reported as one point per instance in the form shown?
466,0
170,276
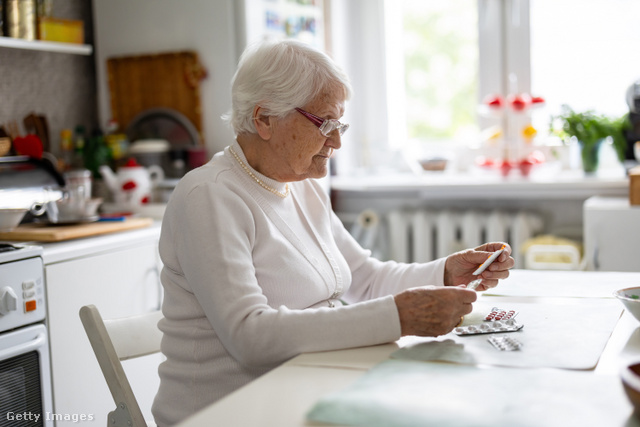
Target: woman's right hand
431,311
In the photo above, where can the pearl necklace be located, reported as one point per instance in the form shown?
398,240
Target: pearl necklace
258,180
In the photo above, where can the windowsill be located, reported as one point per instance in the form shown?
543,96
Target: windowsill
482,184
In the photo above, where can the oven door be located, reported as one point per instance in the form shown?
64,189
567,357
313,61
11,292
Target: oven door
25,378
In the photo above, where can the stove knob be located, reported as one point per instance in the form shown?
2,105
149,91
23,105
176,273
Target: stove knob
8,300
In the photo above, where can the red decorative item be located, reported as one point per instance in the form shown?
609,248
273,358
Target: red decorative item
131,163
518,103
494,101
525,166
485,162
505,168
129,185
145,200
29,145
537,100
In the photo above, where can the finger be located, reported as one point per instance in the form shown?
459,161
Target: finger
468,308
494,246
502,267
495,273
504,257
479,257
507,250
468,296
490,284
487,285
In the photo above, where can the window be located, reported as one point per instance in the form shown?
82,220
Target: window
436,78
584,54
443,57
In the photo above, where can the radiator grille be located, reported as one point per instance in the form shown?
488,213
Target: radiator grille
425,235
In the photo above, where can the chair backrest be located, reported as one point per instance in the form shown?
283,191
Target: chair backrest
120,339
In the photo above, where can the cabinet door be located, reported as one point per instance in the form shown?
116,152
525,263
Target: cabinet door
611,234
120,283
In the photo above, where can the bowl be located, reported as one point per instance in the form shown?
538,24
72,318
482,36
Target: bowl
630,376
433,163
10,218
630,297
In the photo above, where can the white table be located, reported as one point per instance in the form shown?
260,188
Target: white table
283,396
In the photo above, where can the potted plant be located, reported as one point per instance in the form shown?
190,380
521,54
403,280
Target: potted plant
590,129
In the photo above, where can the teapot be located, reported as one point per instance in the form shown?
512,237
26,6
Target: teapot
132,185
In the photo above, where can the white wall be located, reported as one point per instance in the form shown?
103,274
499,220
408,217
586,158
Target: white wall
125,27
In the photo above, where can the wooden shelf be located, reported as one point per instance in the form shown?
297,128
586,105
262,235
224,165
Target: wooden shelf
75,49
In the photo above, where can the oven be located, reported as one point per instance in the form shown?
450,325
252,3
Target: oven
25,371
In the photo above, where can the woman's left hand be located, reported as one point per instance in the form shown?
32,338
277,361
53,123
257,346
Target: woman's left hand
459,266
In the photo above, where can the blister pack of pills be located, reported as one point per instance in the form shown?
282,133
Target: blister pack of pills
489,327
503,343
500,314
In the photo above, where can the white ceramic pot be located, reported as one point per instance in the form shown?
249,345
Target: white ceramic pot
132,185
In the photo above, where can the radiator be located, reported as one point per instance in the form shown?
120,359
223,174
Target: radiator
424,235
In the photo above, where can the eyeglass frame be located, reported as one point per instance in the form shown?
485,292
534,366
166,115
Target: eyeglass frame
324,124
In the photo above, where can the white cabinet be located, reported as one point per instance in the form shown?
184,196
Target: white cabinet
611,234
119,274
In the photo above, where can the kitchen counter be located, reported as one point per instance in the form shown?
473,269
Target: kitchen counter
63,251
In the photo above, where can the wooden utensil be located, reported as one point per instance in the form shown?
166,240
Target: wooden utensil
36,124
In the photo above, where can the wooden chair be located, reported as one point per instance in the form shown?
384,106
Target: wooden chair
116,340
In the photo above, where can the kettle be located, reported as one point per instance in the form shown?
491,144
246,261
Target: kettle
132,185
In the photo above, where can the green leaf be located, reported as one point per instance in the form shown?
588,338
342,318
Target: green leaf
589,128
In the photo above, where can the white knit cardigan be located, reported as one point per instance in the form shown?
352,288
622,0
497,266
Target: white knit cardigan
249,280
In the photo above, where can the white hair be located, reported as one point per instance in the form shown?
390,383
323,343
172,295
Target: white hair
280,76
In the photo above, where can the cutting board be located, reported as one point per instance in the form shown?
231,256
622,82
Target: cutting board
58,233
170,80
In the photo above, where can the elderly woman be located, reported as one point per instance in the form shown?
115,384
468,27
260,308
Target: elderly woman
257,267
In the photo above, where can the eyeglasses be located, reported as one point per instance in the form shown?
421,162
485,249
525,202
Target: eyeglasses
326,126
